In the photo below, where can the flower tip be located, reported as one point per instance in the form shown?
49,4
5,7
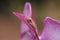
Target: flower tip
14,13
49,19
28,3
27,9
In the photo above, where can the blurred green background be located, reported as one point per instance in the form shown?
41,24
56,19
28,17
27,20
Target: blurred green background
10,24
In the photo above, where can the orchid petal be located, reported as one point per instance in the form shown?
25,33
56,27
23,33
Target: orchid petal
27,10
25,28
51,29
28,13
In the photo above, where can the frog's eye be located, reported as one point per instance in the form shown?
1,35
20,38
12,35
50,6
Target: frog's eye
31,22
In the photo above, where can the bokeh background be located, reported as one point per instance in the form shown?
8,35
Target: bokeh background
10,24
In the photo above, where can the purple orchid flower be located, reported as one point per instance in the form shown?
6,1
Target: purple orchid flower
29,31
